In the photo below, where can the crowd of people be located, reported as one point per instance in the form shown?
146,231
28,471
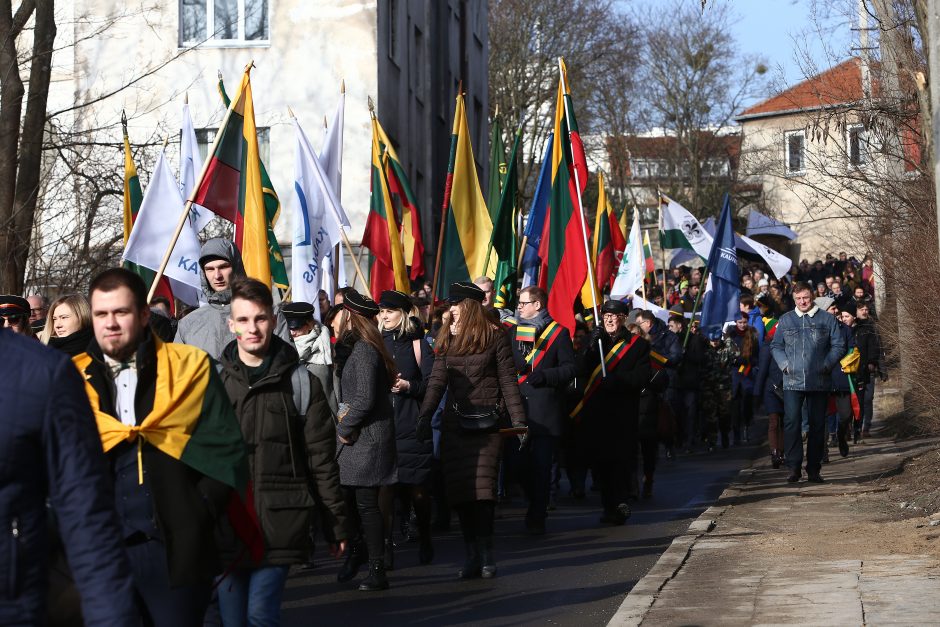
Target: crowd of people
239,435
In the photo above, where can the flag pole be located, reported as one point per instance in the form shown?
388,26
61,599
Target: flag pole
698,298
189,201
587,250
449,182
662,249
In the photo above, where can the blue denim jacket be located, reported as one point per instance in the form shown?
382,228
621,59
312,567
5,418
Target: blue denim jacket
807,348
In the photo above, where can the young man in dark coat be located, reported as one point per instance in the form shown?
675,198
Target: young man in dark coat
173,445
545,361
869,345
611,404
51,450
292,459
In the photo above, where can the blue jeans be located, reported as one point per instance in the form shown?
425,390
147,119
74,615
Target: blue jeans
793,403
252,597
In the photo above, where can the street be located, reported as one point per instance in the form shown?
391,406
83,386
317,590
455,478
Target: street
577,574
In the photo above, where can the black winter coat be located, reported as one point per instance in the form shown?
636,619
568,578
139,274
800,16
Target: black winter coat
292,458
869,348
689,374
414,458
768,375
611,413
545,405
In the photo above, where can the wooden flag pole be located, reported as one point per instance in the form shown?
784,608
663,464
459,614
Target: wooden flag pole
189,201
698,298
587,250
359,274
448,185
356,276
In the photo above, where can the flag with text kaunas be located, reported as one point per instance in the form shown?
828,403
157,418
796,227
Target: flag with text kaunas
381,235
133,197
504,234
468,226
721,302
406,207
564,259
272,211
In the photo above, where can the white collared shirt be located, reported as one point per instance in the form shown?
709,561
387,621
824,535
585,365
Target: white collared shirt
125,389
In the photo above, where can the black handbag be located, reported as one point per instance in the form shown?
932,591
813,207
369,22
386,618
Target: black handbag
478,419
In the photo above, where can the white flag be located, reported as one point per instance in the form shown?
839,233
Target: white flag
153,229
331,158
779,264
632,265
680,229
190,166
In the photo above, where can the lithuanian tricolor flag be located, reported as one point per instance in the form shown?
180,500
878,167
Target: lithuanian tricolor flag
133,196
272,211
603,241
564,259
468,226
648,258
231,187
406,207
381,235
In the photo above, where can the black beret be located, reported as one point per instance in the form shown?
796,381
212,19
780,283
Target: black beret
359,304
614,306
850,307
393,299
462,290
297,314
11,305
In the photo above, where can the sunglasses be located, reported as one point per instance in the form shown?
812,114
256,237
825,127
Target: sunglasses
12,319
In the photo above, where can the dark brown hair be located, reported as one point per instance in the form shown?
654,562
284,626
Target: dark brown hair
364,329
254,291
116,278
801,286
475,331
536,293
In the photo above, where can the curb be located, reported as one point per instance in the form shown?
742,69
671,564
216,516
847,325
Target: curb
640,599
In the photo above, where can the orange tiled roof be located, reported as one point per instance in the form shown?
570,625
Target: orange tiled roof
839,85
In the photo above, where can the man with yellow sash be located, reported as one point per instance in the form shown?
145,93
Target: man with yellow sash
611,404
546,365
173,445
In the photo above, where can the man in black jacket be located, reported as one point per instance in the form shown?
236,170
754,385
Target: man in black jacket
872,364
545,362
292,460
173,445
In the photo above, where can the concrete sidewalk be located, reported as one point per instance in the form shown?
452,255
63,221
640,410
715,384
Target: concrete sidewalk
773,553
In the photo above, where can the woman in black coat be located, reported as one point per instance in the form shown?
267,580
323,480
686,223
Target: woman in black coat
768,389
404,338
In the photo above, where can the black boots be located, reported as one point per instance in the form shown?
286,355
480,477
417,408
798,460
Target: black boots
376,579
471,567
647,486
356,555
425,549
389,554
488,563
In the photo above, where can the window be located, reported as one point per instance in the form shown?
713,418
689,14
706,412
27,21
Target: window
205,137
795,145
223,21
393,42
857,145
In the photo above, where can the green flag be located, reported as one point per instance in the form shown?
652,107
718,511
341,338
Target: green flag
504,234
272,210
497,168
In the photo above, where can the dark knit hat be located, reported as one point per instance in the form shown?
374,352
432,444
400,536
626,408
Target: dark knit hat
297,314
461,290
851,308
614,306
11,305
393,299
359,304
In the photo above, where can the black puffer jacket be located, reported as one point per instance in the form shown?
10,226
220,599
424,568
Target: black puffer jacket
414,458
291,458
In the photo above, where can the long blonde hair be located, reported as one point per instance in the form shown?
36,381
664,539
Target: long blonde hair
474,332
406,326
79,306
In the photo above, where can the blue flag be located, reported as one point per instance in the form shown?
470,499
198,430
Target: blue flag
722,300
536,221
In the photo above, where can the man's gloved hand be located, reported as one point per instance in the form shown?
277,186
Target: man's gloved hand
536,379
596,335
423,432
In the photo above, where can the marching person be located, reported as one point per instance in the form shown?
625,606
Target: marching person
14,314
869,345
768,389
841,387
312,341
545,362
288,426
807,345
611,404
473,364
207,327
68,325
403,336
743,373
53,465
365,433
174,448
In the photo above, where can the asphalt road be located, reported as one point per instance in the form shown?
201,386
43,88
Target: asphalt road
577,574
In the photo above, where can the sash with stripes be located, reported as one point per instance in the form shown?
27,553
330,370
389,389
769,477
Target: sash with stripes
545,341
613,357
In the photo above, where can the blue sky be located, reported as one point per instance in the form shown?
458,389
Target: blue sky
794,37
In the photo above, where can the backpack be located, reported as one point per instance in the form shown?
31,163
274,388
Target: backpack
300,385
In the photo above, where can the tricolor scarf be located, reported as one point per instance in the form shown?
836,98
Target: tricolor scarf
537,354
611,360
